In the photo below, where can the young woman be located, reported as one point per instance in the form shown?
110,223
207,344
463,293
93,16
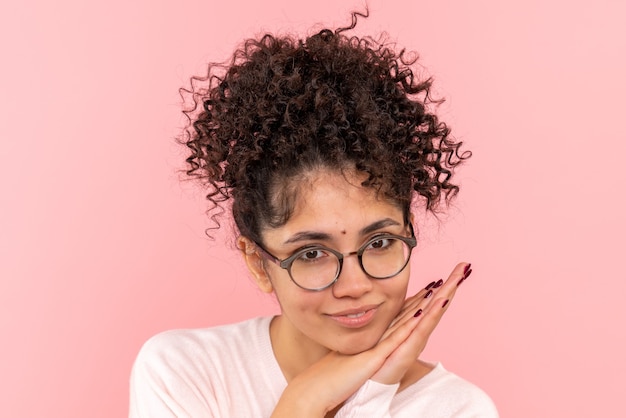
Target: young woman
323,146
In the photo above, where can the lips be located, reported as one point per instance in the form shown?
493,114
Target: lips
356,317
354,311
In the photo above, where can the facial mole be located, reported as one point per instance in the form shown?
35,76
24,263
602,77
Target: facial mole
343,232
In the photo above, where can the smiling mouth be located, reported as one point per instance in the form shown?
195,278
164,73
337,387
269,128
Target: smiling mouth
356,315
356,312
355,318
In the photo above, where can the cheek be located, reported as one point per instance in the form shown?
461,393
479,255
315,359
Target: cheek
304,312
294,300
398,289
400,283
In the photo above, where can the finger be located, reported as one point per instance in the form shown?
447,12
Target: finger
393,339
458,275
417,304
439,304
412,301
446,290
409,306
410,348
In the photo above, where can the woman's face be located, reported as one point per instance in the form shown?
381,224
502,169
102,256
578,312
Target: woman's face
333,210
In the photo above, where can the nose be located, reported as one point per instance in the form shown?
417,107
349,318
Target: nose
352,282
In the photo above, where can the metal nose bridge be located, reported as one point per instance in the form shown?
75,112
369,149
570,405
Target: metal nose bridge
344,255
350,254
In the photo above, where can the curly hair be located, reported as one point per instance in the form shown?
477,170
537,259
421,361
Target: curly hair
282,107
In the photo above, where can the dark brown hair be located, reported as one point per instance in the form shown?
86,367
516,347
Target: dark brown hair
282,107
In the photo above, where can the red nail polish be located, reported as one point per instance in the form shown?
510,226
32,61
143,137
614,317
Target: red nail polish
418,313
427,295
439,283
445,303
430,285
468,274
460,281
467,268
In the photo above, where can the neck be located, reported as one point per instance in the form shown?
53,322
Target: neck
293,350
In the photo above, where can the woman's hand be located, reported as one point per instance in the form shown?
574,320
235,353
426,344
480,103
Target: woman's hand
328,383
429,305
333,379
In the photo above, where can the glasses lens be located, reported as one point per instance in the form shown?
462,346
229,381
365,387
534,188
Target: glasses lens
385,257
314,268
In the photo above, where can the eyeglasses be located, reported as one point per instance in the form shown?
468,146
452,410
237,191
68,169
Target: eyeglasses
317,267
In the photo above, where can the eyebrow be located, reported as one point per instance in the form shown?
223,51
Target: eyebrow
322,236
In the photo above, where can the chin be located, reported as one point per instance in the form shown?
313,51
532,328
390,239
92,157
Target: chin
355,346
352,352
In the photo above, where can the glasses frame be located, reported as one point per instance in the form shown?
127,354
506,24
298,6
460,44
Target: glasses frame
287,262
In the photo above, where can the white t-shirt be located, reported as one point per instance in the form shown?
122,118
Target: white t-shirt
231,371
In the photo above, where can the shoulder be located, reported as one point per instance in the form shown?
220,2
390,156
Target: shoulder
223,371
444,394
181,339
201,351
202,372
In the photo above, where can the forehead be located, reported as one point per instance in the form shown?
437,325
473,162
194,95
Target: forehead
334,202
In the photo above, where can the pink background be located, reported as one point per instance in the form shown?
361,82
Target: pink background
102,246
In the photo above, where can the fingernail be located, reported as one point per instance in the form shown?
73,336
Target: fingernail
467,268
430,285
427,295
439,283
468,274
460,281
445,303
418,313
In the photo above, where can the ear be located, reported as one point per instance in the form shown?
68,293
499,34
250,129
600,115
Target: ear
254,261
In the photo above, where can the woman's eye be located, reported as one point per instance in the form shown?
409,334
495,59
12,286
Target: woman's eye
379,243
312,255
